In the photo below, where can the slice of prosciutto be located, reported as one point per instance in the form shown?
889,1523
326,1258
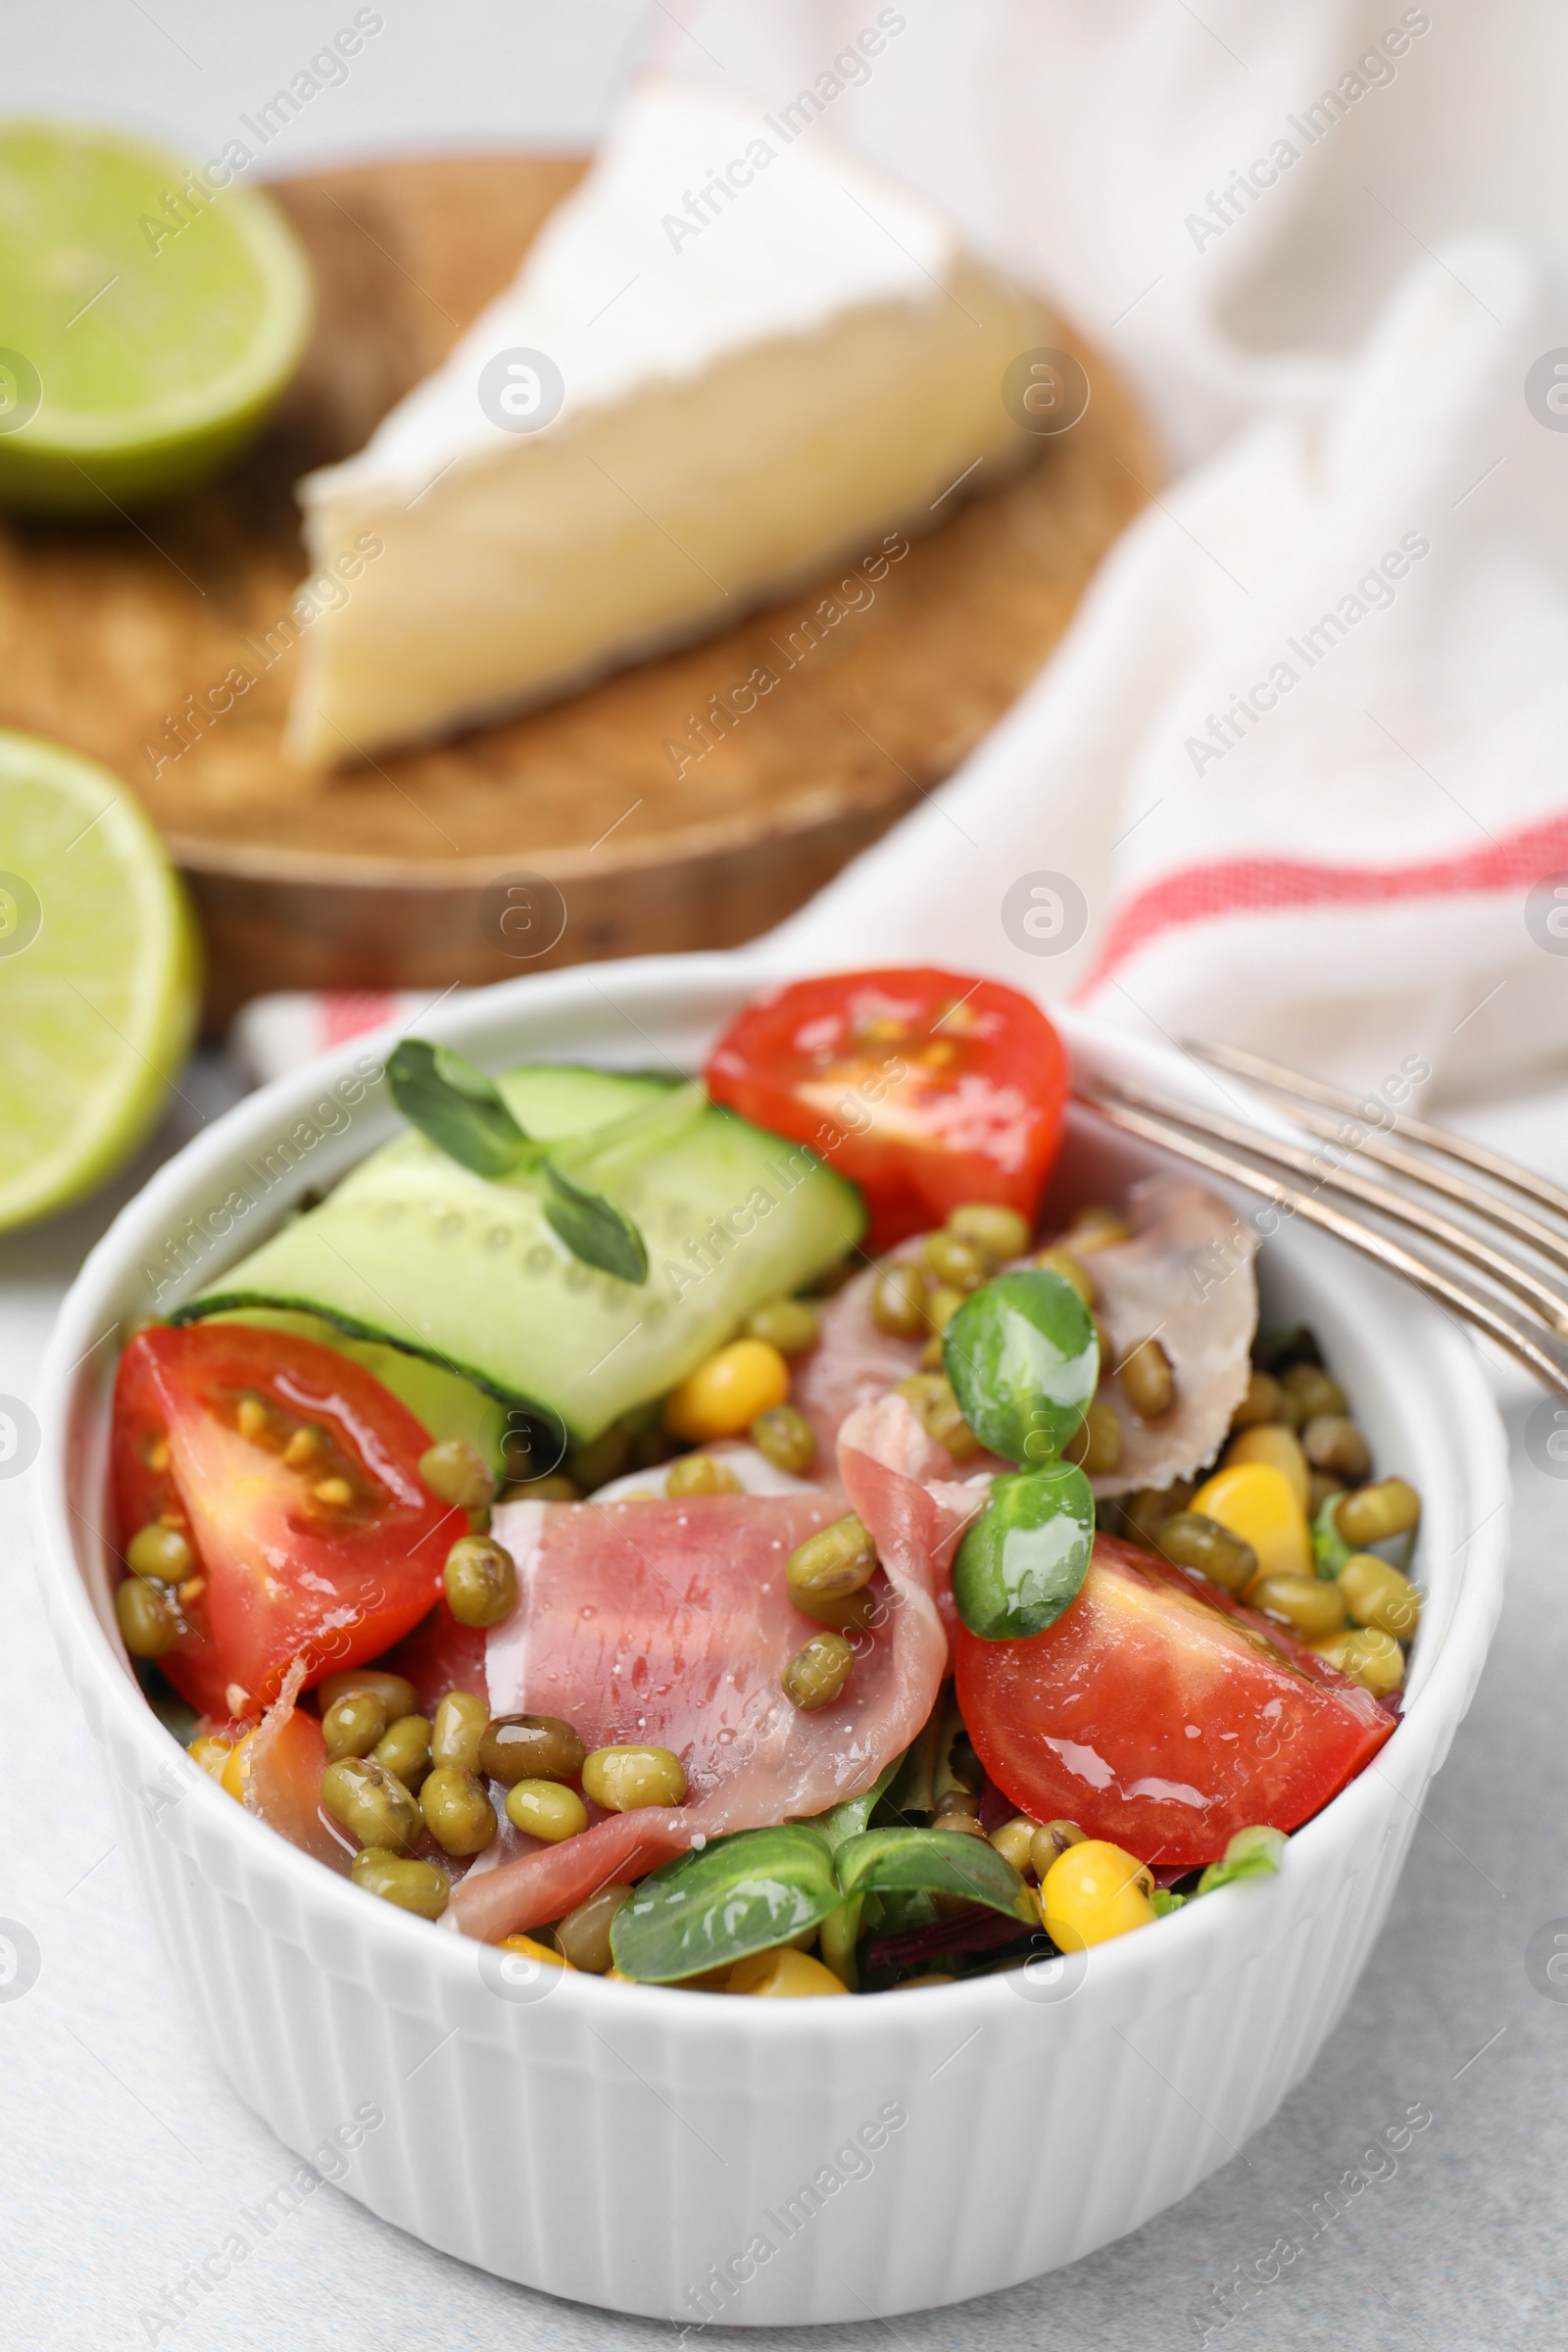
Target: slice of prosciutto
1186,1278
287,1758
669,1624
886,1438
853,1362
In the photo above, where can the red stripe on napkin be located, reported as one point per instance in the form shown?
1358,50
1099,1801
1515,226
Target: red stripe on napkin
1257,885
342,1013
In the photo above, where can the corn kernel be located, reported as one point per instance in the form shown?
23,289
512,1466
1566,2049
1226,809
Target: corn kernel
782,1973
1257,1503
236,1767
723,1396
211,1753
1093,1892
1271,1442
530,1950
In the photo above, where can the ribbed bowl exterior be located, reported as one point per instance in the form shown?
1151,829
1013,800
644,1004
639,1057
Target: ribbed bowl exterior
753,2162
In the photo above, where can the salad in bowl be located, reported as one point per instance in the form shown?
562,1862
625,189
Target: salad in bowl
727,1534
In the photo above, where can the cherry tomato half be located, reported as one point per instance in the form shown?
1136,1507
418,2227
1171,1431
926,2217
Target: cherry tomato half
927,1088
1159,1713
293,1476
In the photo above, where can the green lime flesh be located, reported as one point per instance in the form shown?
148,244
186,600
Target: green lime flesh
148,323
99,976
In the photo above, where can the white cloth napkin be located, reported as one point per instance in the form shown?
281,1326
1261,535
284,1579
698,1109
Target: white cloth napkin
1099,148
1295,776
1297,767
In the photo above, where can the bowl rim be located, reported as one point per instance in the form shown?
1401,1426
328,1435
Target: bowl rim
1417,1744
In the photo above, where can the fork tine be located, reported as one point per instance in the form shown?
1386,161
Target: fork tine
1458,1240
1284,1080
1525,1346
1438,1179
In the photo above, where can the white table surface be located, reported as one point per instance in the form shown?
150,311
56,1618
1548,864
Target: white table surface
124,2156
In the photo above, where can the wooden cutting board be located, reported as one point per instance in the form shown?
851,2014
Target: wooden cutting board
646,833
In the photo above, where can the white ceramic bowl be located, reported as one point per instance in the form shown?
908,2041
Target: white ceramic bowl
754,2161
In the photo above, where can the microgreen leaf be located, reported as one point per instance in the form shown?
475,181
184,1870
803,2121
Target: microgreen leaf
1330,1550
457,1109
721,1902
648,1128
1023,1359
1022,1561
933,1862
851,1817
462,1113
1250,1854
593,1228
840,1932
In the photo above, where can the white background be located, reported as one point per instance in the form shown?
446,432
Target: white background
469,74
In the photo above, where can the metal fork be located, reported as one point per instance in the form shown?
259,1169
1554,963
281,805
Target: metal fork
1508,1293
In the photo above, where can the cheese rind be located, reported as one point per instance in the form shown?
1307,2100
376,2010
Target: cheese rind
745,401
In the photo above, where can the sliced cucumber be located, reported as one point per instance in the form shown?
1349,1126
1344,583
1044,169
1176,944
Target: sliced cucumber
551,1099
414,1250
447,1405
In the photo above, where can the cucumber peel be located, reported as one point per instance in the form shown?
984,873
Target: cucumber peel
445,1403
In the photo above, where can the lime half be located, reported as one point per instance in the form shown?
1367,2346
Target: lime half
98,976
148,322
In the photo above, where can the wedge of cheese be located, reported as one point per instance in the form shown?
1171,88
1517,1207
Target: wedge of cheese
733,355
